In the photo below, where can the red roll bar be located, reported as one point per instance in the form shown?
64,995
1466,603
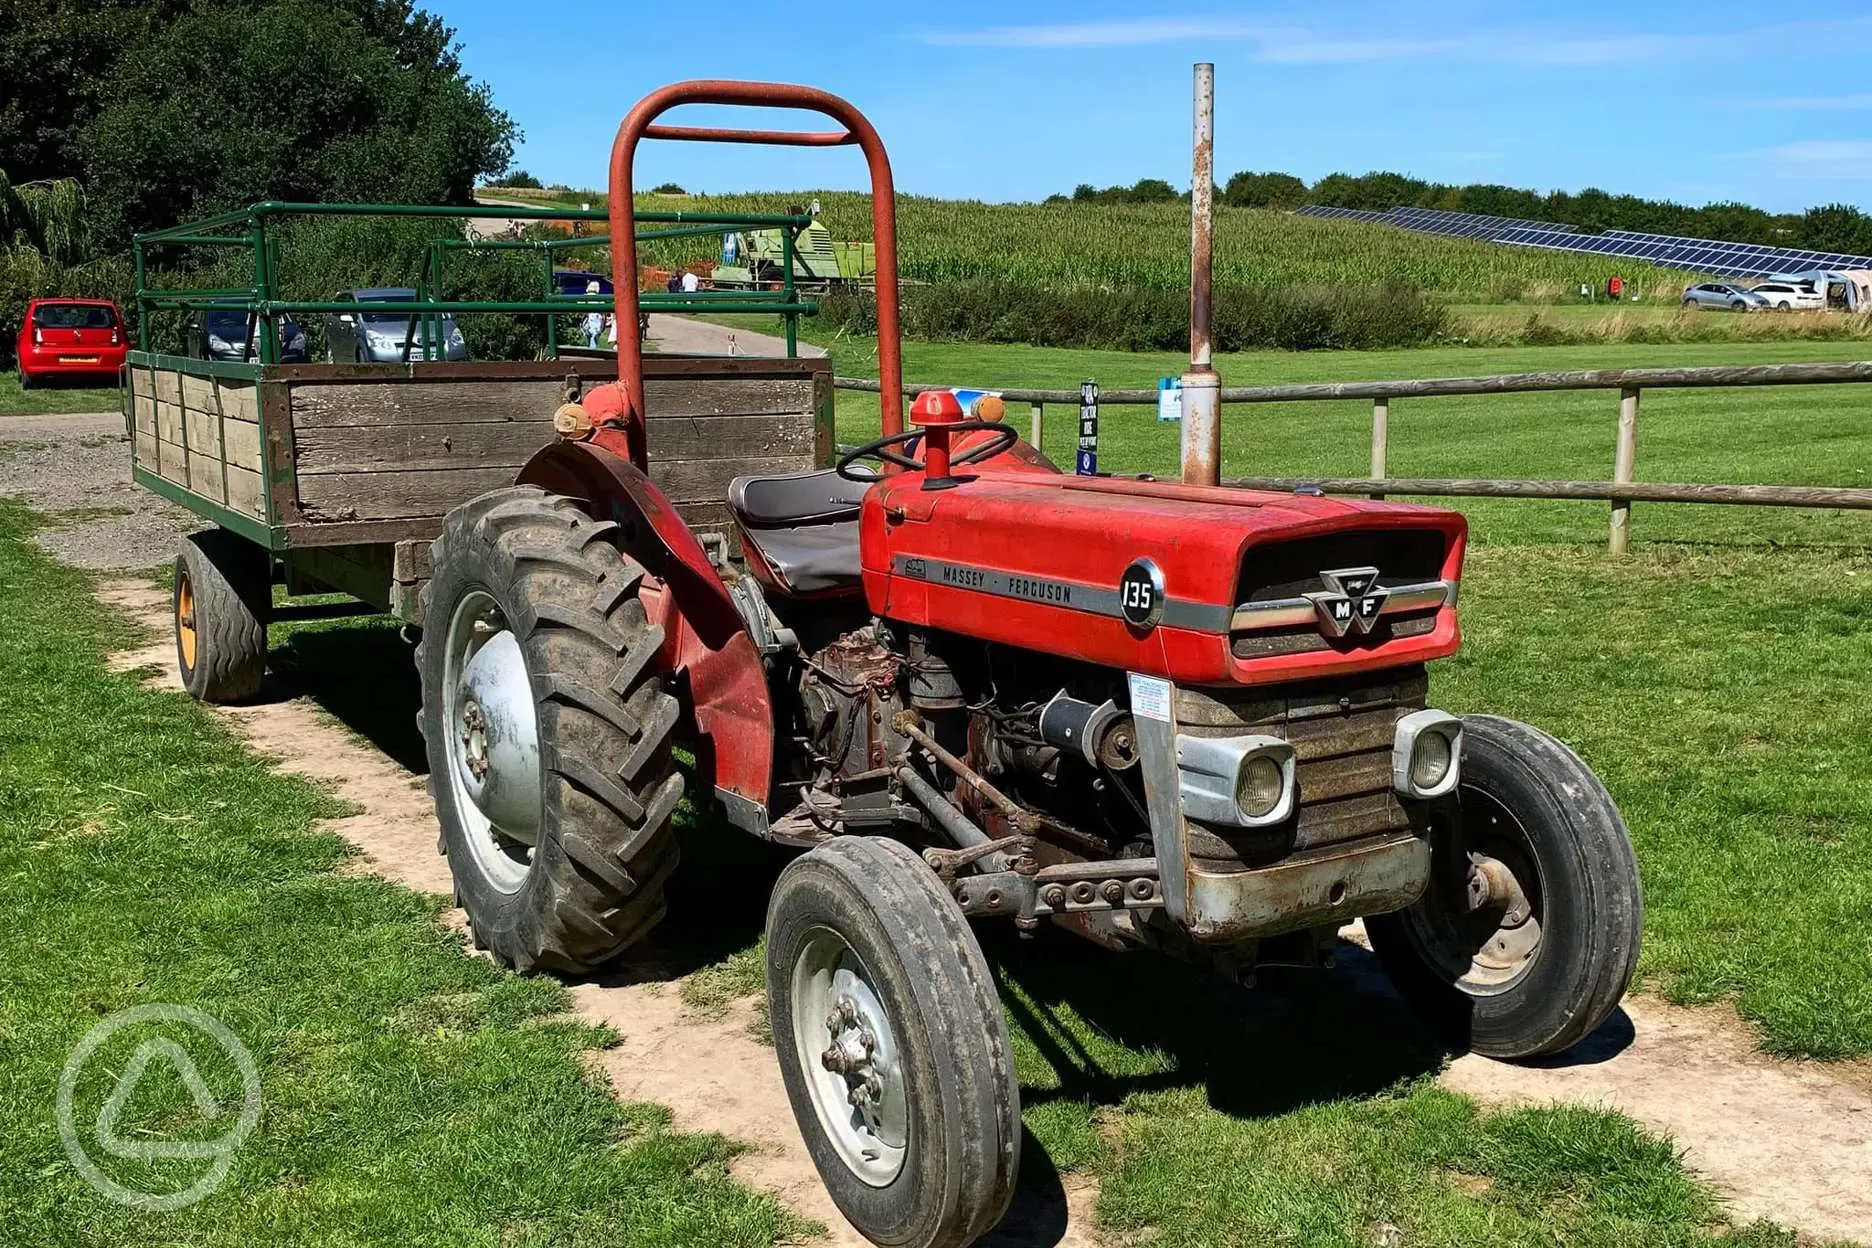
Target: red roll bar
639,124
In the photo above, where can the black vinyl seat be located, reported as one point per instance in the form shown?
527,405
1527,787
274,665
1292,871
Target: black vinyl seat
804,524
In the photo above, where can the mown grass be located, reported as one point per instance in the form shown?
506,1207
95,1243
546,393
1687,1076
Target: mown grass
51,399
410,1095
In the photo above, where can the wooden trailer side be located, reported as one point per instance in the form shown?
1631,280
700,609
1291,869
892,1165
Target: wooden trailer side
196,437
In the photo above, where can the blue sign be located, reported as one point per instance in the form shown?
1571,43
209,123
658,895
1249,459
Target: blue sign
1085,464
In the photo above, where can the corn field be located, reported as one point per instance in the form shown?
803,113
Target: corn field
1120,246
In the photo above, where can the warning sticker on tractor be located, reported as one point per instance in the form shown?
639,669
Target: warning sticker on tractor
1150,697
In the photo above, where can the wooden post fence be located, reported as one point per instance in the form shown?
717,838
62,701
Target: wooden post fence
1621,491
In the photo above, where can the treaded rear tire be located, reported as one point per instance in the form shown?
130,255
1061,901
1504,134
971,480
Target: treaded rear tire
230,582
963,1155
609,784
1592,903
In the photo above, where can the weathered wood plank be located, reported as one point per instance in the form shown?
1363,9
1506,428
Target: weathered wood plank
391,448
739,437
198,392
706,480
170,461
167,386
238,401
244,491
394,495
712,396
204,476
204,434
144,408
169,422
243,444
146,454
422,402
412,562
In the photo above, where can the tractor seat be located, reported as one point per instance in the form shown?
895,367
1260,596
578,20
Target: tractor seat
804,524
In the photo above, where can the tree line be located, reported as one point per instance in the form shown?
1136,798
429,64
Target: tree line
1828,227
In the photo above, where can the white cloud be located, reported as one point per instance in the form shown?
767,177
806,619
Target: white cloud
1816,103
1828,158
1098,34
1526,45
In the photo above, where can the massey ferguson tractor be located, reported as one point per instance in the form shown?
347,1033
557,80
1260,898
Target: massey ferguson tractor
968,687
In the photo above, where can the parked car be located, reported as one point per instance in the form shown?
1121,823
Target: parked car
1723,295
234,336
71,338
386,337
576,281
1791,296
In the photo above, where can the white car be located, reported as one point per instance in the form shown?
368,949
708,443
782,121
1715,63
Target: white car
1791,296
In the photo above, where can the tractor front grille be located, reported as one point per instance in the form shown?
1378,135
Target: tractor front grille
1342,731
1285,572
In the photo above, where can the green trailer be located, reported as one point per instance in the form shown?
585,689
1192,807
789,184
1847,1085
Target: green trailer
336,477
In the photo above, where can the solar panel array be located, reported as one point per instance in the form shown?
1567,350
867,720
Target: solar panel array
1698,255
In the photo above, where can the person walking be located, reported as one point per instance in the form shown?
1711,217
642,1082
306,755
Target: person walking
690,282
594,320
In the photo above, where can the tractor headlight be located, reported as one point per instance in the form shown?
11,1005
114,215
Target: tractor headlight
1240,782
1261,787
1426,755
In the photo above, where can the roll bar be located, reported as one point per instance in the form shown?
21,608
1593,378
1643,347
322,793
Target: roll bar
640,123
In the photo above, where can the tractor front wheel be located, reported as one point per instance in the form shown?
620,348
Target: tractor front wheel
222,592
1527,936
548,731
892,1045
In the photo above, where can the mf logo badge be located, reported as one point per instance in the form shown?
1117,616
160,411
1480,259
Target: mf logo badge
1351,601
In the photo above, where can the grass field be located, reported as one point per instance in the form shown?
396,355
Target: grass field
1058,245
415,1096
410,1095
44,399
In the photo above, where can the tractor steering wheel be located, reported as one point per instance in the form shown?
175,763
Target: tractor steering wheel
880,448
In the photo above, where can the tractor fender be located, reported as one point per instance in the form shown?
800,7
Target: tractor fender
707,653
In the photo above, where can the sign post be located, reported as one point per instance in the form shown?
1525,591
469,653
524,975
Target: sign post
1086,463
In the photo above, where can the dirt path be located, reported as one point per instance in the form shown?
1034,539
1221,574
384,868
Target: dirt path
1790,1141
679,335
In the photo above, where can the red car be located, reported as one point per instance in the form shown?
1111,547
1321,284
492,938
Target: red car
71,338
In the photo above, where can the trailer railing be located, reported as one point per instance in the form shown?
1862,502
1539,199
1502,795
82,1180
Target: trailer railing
1621,491
259,234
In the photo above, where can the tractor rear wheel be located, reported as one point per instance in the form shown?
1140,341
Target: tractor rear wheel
222,593
892,1045
548,731
1527,936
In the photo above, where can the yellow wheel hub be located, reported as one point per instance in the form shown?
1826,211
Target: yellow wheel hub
185,621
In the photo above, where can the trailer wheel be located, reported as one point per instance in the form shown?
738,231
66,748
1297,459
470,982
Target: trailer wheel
221,598
892,1045
548,731
1528,934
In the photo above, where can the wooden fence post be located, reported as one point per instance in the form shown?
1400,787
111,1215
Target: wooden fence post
1039,426
1623,461
1380,439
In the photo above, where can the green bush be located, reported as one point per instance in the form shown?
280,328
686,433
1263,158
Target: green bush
1300,318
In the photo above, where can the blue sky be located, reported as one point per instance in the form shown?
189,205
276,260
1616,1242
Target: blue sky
1769,104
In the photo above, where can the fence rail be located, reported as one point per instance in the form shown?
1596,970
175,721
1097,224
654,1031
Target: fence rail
1622,491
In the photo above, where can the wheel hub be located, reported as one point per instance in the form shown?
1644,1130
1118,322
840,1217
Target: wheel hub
493,741
844,1040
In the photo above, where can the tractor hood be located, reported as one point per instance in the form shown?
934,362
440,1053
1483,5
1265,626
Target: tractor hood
1199,585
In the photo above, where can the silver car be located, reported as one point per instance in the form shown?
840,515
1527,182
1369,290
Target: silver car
1722,295
368,337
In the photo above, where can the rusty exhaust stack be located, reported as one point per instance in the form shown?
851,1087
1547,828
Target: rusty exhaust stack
1202,388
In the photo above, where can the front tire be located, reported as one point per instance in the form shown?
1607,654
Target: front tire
892,1045
221,597
548,731
1528,934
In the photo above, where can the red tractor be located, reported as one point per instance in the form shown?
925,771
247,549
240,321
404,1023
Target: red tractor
1167,717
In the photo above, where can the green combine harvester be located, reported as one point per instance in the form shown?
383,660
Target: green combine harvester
755,258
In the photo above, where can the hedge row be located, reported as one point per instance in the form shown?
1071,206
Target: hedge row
1298,318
